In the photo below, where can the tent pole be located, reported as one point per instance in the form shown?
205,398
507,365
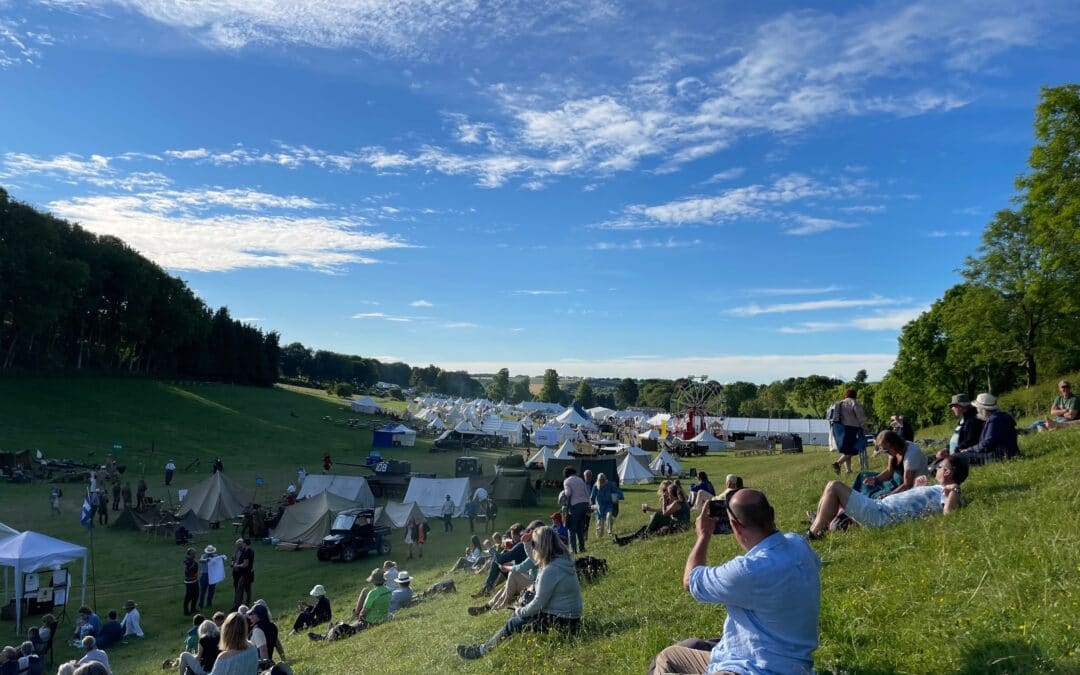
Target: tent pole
83,602
93,575
18,597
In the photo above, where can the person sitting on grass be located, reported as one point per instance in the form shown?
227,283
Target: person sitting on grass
556,603
701,491
473,553
237,656
111,632
402,596
372,607
918,502
674,514
30,662
206,651
92,653
1064,411
560,529
519,576
514,554
264,635
772,594
998,437
904,456
313,615
88,623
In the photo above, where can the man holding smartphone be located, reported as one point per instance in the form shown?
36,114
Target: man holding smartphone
772,595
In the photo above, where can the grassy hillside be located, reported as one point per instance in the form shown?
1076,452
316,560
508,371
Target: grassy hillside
990,589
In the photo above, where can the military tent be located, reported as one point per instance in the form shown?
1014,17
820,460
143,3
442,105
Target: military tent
632,471
194,524
307,521
396,514
353,488
215,499
365,404
564,450
430,494
513,487
130,519
638,452
607,466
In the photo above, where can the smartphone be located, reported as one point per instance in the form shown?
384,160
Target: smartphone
717,508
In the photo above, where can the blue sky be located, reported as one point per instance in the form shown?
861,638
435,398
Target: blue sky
744,190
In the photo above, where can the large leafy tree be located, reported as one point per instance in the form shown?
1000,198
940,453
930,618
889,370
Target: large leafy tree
584,396
519,391
550,391
626,393
499,389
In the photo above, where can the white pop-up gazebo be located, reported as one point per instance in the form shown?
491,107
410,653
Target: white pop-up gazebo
31,552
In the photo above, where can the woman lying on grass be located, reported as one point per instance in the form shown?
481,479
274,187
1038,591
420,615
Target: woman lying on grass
556,602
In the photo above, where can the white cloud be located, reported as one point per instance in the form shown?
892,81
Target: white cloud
642,244
420,303
218,230
814,305
759,368
879,321
812,225
19,46
795,291
458,324
540,292
725,175
941,234
413,28
863,208
383,316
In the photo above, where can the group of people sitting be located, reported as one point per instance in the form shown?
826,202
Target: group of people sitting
243,642
94,636
389,591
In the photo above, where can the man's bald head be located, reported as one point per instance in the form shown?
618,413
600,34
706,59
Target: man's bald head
753,511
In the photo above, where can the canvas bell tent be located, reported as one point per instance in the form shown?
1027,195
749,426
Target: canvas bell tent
353,488
307,521
430,494
215,499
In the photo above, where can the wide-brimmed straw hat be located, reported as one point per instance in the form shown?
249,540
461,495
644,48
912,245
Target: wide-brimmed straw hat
960,399
403,577
986,402
210,549
318,591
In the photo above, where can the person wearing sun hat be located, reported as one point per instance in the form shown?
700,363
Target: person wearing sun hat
313,615
131,623
998,437
969,427
403,595
373,605
206,589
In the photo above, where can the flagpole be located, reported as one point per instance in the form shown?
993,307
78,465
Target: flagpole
93,575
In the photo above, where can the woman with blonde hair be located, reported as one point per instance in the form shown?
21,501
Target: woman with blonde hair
238,656
556,602
604,495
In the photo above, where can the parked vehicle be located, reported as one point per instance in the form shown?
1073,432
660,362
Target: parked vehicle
354,534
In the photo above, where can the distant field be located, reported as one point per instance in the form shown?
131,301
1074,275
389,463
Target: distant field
990,589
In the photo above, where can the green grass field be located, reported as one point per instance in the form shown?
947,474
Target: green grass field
992,588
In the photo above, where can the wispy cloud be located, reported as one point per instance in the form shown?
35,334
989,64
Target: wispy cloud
811,225
383,316
879,321
420,303
815,305
863,208
218,230
725,175
20,45
458,324
941,234
540,292
795,291
643,244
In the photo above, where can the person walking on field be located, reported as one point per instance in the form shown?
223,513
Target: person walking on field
448,515
170,469
853,420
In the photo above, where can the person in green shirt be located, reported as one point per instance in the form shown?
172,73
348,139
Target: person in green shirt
1064,412
373,605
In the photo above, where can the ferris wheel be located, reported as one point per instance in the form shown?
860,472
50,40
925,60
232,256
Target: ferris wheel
697,398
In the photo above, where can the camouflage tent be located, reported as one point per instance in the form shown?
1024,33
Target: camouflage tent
513,487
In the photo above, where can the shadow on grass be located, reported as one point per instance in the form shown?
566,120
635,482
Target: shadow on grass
999,490
1005,656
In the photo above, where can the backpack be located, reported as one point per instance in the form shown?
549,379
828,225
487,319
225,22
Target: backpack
832,415
590,568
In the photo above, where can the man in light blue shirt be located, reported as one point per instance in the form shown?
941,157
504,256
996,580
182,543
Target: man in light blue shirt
772,595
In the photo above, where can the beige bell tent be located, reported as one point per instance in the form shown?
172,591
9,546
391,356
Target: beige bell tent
396,514
353,488
215,499
307,521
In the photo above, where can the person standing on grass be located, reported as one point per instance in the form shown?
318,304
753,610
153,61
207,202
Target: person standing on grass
471,508
170,469
54,500
126,494
853,420
577,494
243,572
102,507
772,594
116,495
191,583
448,515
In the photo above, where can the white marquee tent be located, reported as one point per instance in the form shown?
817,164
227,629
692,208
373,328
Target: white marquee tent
812,432
365,404
403,435
650,435
29,552
430,494
657,465
571,416
637,452
708,440
632,472
353,488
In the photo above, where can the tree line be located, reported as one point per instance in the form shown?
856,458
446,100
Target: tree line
1016,314
71,300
